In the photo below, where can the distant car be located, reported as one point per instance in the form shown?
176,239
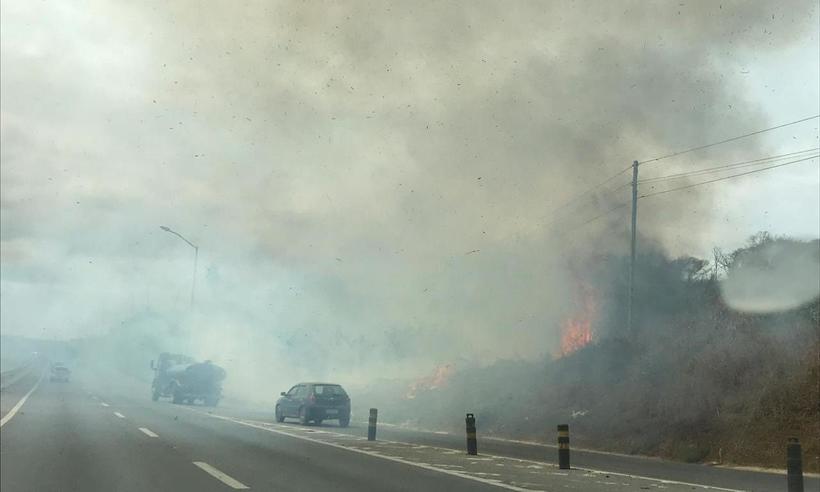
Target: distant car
60,373
314,402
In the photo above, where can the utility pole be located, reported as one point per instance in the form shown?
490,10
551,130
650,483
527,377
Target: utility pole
629,313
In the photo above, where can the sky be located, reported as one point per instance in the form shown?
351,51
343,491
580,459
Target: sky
377,181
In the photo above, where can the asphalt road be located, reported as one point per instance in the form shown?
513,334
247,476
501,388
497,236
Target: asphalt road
720,477
87,437
67,437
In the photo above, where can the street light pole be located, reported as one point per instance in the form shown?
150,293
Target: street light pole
193,281
196,257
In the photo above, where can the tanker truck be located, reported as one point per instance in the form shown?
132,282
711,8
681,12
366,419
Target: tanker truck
186,381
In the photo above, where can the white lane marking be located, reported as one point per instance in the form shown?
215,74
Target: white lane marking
538,464
148,432
118,414
370,453
660,480
222,477
104,404
20,403
528,443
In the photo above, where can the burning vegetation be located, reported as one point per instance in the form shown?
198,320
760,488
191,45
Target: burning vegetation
702,380
438,379
576,331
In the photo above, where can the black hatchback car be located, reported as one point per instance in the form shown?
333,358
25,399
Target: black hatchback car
314,402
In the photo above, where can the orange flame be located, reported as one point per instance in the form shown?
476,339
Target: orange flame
439,378
576,332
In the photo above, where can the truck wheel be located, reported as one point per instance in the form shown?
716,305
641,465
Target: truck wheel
279,417
303,416
155,395
177,398
344,421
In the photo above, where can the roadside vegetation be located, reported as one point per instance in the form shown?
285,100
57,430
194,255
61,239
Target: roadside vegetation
698,380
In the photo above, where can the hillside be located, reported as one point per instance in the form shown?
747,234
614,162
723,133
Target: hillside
698,381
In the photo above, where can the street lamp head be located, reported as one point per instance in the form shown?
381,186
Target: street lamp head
164,228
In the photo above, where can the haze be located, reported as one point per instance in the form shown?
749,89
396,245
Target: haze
372,185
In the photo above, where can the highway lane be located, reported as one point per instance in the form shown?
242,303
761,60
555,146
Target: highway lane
10,396
68,437
267,461
63,440
617,463
86,435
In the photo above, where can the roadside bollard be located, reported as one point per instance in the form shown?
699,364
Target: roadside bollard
472,444
371,424
794,465
563,446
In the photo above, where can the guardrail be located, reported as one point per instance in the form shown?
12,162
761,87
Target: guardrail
7,378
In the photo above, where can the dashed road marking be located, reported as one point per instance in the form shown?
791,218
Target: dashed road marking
221,476
11,413
118,414
104,404
148,432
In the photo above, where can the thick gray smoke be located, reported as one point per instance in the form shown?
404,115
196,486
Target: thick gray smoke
371,185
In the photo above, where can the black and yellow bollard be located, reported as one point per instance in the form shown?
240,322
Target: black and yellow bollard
371,424
563,446
472,443
794,465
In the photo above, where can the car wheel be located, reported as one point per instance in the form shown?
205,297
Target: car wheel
303,416
279,417
318,421
344,421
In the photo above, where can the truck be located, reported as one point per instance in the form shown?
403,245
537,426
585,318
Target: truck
186,381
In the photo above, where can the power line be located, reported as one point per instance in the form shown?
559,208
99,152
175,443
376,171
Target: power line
593,188
729,177
726,167
558,216
601,215
623,205
693,149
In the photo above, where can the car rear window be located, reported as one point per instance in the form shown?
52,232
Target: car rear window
329,390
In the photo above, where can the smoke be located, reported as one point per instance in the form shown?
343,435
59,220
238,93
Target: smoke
372,186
